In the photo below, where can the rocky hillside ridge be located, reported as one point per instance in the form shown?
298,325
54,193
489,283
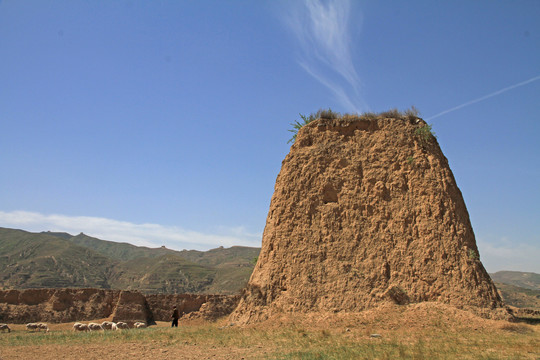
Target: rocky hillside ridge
60,260
527,280
518,296
66,305
518,288
365,211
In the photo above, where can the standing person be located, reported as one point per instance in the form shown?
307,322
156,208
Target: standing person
175,317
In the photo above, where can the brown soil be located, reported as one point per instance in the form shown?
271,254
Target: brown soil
134,350
365,212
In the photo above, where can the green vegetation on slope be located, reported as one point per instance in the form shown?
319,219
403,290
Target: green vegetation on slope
527,280
233,266
30,260
118,251
52,260
165,274
518,296
238,255
519,289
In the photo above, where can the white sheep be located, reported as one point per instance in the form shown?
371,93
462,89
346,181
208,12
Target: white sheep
121,325
32,326
108,325
80,327
139,325
43,326
4,327
94,327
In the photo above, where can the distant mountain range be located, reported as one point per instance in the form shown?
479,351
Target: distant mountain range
519,289
53,260
527,280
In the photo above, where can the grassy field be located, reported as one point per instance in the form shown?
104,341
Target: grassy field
432,337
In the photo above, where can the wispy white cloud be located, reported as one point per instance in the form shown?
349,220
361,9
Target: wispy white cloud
485,97
324,35
150,235
508,255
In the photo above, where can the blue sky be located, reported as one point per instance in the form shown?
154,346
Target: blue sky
165,122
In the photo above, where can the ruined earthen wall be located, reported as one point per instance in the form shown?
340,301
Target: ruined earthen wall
161,304
66,305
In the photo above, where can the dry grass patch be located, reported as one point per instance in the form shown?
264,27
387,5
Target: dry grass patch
416,331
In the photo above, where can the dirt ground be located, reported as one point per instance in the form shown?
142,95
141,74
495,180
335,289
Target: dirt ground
126,351
155,349
438,327
119,351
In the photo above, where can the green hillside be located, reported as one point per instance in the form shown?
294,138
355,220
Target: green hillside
118,251
518,296
233,266
519,289
30,260
51,260
527,280
165,274
221,256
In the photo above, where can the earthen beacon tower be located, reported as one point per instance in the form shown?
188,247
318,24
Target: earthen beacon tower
365,210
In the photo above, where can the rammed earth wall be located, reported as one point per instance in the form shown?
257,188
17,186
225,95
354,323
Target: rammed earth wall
65,305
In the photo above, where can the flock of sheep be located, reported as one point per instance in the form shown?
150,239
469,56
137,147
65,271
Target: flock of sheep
106,325
37,326
29,326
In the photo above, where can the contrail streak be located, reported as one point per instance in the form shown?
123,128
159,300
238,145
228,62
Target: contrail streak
322,29
498,92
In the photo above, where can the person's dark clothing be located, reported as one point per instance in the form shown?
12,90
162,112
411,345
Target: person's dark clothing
175,317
